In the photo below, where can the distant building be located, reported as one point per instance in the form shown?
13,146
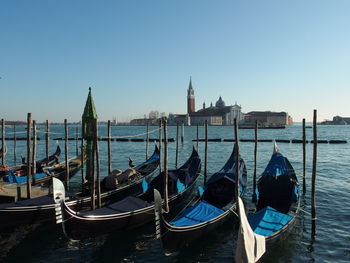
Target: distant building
337,120
143,122
268,118
191,107
220,114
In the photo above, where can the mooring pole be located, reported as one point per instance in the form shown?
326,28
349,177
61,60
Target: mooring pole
206,152
47,141
236,149
66,152
14,145
93,180
109,147
29,168
147,139
3,141
166,205
76,141
197,137
255,160
313,182
160,144
98,188
182,132
304,158
177,144
82,162
34,151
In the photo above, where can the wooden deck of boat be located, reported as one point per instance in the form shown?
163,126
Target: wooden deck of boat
9,192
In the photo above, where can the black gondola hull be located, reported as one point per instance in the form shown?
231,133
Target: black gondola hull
176,238
77,227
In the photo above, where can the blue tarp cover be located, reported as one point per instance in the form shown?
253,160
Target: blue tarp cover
197,214
277,166
12,178
268,221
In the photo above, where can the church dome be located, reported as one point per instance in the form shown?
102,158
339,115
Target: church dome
220,103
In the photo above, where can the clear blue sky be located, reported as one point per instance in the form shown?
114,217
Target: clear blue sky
138,56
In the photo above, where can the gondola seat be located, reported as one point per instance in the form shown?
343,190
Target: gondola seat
268,221
201,212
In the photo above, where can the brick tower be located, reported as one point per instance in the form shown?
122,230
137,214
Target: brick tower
190,99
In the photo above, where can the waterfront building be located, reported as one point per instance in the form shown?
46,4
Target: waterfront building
268,118
220,114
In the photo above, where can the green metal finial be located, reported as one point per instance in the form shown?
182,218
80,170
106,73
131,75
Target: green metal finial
89,110
89,116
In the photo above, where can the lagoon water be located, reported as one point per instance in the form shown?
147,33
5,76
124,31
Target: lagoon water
46,243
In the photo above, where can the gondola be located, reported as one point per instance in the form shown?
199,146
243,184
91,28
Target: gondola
17,173
277,208
57,170
131,211
42,209
213,206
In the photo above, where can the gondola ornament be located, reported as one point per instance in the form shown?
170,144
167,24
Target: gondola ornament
59,196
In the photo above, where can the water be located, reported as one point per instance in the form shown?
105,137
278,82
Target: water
46,243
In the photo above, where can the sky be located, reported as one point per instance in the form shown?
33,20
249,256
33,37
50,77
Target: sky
139,55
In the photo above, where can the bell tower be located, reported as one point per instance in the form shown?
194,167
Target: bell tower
190,99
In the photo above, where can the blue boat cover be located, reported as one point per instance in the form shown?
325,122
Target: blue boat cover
12,178
267,221
228,171
277,186
278,165
152,159
186,174
199,213
128,204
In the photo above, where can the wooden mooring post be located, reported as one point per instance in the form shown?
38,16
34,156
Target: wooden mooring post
197,137
14,145
29,188
182,132
313,180
236,149
66,153
3,141
93,180
160,143
96,148
76,141
34,151
147,139
255,160
206,152
47,140
304,158
177,145
166,204
109,147
82,153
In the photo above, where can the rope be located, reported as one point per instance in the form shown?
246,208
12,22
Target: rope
112,137
131,136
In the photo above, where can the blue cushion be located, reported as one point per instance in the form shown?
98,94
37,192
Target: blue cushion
268,221
196,214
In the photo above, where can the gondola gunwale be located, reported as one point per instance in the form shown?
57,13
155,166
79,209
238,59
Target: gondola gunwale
42,211
128,219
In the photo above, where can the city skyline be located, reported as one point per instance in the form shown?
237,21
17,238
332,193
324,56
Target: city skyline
138,56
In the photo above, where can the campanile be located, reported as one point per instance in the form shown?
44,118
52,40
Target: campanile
190,99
